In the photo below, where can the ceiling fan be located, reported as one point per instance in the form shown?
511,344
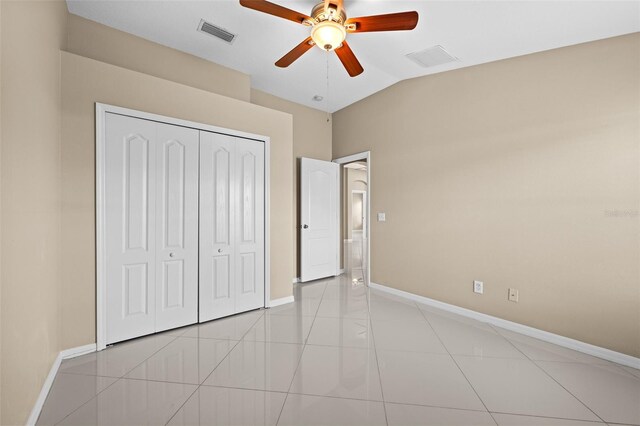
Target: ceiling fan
329,28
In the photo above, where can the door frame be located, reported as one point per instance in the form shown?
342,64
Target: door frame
365,155
101,111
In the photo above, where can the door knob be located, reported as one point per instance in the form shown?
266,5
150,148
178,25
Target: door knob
219,250
170,254
305,226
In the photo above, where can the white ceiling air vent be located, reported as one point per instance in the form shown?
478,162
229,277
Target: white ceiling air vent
431,57
216,31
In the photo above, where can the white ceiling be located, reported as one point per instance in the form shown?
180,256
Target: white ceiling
474,31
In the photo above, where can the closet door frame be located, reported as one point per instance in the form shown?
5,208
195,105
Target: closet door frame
101,111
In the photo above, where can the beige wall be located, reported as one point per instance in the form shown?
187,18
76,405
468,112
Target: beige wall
522,173
96,41
312,132
30,223
86,81
311,138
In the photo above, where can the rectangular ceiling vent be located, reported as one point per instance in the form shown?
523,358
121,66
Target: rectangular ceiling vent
432,57
216,31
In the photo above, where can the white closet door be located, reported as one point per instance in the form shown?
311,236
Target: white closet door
130,227
176,226
249,237
217,225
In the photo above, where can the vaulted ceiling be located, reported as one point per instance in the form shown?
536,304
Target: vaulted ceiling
475,32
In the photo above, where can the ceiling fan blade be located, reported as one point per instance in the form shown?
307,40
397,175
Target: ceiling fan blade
349,60
390,22
276,10
295,53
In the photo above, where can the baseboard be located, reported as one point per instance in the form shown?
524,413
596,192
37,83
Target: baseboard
281,301
546,336
340,271
46,386
80,350
296,280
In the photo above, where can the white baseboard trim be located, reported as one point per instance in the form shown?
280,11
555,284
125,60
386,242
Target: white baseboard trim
46,386
296,280
340,271
281,301
546,336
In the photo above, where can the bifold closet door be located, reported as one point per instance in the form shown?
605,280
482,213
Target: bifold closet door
176,227
231,225
151,226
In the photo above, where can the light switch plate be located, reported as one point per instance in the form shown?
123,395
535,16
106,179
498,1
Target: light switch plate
513,295
382,217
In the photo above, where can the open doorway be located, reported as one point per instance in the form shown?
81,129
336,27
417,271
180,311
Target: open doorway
355,217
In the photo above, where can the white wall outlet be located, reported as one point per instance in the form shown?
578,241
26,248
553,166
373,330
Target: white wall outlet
478,287
513,295
382,217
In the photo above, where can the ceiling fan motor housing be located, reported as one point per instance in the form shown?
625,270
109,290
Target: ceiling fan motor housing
331,13
328,30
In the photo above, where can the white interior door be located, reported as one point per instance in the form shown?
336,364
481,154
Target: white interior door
130,227
231,225
217,226
151,226
176,226
318,218
249,238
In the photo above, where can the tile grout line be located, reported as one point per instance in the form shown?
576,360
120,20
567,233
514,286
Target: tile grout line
90,399
234,346
117,378
535,416
304,345
549,375
183,404
214,368
604,361
375,351
456,363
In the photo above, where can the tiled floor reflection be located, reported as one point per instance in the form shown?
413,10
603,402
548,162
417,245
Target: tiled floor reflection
342,355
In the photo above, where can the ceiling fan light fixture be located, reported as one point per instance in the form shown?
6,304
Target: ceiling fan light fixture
328,35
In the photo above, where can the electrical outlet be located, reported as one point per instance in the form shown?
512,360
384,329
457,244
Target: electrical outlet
513,295
382,217
478,287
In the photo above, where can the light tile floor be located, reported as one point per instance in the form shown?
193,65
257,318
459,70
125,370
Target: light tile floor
342,354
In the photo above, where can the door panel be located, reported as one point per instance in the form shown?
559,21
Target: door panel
318,216
247,196
173,285
250,224
173,194
130,224
221,277
217,187
136,182
221,195
136,287
177,226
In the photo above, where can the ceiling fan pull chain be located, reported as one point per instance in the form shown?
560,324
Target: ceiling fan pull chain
327,97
